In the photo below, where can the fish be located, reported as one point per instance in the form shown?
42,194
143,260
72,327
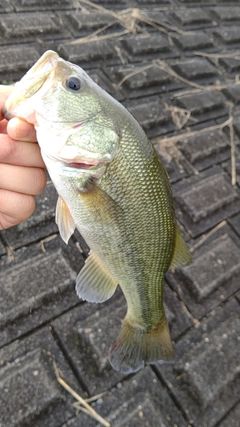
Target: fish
114,189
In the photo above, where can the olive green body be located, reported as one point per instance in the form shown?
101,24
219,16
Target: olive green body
128,218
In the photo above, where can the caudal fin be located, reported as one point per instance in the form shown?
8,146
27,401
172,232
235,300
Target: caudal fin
135,347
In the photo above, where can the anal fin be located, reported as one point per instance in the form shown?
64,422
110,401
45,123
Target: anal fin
94,282
181,255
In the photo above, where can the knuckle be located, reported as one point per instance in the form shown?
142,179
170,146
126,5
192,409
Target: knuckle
25,206
15,208
28,206
7,148
40,181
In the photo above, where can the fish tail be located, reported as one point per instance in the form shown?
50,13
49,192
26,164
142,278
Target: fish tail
136,347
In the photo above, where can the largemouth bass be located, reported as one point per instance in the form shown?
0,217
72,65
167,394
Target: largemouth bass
114,189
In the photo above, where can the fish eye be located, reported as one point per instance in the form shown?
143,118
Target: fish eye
73,83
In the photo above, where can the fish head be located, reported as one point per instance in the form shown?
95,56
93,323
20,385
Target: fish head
69,111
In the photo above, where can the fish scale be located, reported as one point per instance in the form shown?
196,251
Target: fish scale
114,189
152,197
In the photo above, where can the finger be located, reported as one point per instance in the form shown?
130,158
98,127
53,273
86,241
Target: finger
21,130
20,179
3,126
15,208
4,94
20,153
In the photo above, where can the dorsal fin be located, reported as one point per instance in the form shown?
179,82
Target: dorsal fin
181,255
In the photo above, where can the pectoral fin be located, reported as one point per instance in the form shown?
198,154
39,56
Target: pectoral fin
181,255
94,282
64,220
101,198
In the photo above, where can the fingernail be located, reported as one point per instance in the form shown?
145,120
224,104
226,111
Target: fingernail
20,129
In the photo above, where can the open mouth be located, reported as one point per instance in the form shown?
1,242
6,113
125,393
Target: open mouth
81,165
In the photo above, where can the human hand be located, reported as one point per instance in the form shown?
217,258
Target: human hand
22,171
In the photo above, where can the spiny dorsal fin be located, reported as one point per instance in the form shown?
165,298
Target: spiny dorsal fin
94,282
64,220
181,255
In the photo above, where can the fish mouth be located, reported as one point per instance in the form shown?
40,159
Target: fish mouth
94,168
77,162
29,85
82,164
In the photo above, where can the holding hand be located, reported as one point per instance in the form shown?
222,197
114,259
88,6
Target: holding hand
22,171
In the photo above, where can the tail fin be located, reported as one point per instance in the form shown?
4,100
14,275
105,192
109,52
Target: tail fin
135,347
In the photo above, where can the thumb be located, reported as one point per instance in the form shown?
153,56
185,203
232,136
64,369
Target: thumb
19,129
